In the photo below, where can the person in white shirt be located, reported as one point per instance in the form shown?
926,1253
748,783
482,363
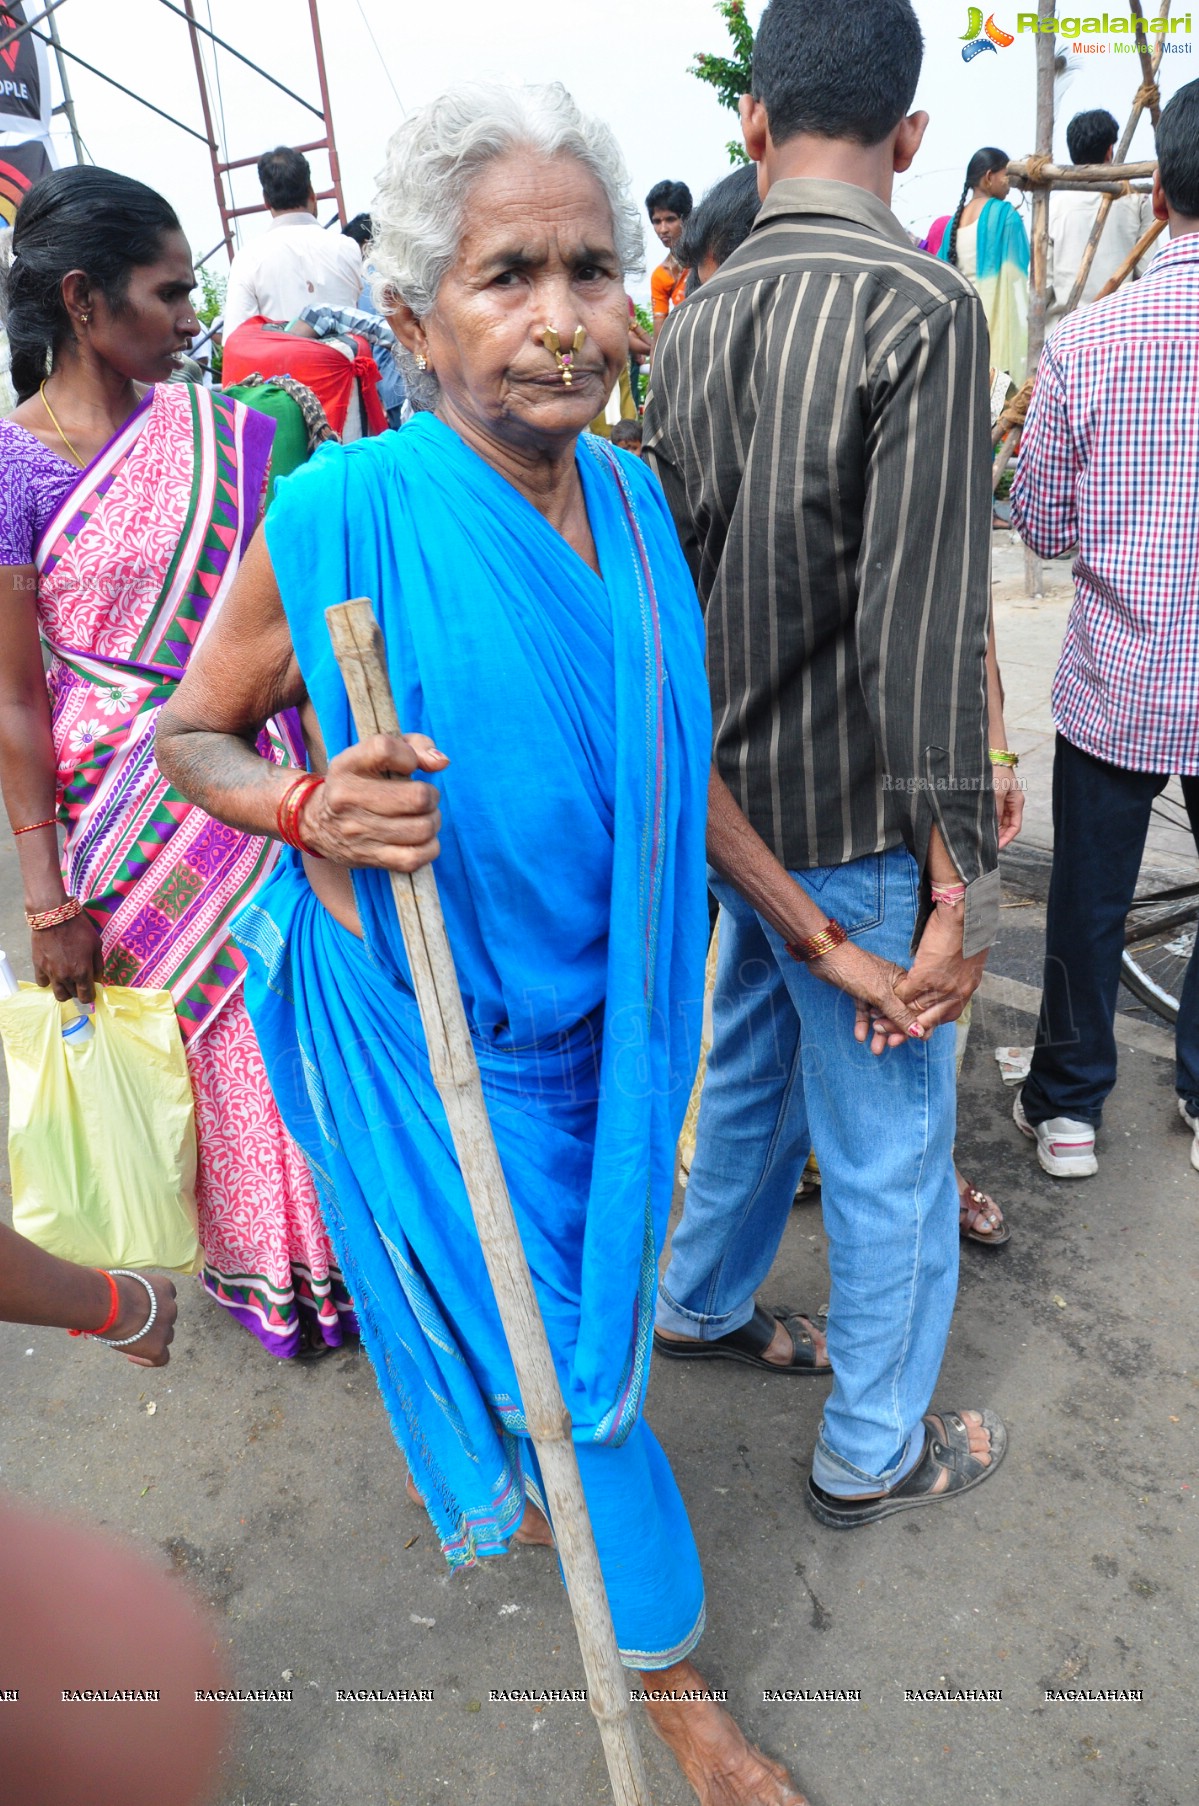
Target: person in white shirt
1091,138
295,263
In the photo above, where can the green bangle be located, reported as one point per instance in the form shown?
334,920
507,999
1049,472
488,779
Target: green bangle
1000,757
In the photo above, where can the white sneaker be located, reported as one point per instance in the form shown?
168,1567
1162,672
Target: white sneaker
1192,1123
1065,1148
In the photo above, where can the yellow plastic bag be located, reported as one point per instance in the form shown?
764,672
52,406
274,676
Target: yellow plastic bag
102,1137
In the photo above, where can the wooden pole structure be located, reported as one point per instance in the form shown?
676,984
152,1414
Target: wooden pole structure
1039,274
1011,451
1030,172
1144,244
1144,97
1150,65
358,647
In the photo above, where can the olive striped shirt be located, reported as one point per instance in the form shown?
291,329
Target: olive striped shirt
818,415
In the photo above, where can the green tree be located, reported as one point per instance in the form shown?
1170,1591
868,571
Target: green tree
730,75
212,291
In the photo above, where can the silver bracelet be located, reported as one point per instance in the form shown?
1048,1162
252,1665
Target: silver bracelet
148,1325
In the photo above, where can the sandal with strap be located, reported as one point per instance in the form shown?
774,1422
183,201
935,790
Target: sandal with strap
946,1451
975,1207
750,1342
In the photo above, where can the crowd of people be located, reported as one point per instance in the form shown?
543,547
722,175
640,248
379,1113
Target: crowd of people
816,752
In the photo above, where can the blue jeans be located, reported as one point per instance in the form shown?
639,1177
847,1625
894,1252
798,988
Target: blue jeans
785,1074
1100,820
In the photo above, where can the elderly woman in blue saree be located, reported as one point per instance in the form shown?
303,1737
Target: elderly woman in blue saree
545,648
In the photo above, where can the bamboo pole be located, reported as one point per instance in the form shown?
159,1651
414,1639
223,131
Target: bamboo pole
1114,189
1031,172
1143,244
1007,456
358,647
1039,273
1149,66
1134,119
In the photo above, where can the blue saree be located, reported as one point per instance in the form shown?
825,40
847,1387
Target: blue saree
574,709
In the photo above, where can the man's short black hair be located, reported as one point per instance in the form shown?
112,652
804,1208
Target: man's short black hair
285,178
722,220
669,197
626,432
1178,151
1089,136
837,68
359,229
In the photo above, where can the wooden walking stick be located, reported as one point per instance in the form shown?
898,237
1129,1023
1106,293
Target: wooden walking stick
358,647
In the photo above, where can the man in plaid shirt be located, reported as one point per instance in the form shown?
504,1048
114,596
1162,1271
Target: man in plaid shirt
1110,462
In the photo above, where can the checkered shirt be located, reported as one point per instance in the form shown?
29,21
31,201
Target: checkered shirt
1109,461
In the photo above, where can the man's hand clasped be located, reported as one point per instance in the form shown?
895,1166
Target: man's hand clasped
894,1005
361,816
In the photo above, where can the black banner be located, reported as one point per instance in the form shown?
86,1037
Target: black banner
24,89
21,165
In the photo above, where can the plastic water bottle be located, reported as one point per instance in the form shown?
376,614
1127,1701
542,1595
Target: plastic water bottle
77,1030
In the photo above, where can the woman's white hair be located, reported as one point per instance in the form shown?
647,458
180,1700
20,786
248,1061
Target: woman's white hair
417,215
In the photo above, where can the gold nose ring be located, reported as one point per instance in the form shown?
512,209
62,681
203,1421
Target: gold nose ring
564,359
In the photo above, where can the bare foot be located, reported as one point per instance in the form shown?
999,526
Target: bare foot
781,1351
533,1529
717,1759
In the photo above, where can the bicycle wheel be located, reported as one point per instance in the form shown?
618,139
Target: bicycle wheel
1159,933
1154,970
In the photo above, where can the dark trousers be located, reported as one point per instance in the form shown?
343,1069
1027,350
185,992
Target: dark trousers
1100,820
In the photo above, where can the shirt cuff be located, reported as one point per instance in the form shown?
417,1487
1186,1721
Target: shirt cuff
980,920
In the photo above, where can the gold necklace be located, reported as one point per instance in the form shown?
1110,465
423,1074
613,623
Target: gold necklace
82,462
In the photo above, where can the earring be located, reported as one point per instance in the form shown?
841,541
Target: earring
564,359
420,360
85,319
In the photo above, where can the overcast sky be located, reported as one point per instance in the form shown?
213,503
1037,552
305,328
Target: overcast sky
624,59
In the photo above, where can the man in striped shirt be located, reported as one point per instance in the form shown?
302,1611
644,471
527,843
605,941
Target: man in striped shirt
1109,462
818,416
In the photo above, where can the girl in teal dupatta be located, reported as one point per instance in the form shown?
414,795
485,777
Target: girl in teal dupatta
985,239
571,875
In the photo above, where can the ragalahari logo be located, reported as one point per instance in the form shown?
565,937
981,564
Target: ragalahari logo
979,37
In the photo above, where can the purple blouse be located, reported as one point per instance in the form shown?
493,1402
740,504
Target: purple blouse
33,482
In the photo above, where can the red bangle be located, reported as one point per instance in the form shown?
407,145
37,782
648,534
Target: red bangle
114,1310
51,821
817,945
291,806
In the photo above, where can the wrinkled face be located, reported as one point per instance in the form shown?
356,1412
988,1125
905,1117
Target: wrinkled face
538,250
668,226
142,335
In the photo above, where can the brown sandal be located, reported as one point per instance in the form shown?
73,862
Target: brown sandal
975,1206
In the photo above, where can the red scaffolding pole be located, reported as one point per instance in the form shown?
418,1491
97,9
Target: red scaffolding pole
222,168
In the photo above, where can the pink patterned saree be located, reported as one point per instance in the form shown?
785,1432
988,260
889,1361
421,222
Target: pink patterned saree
132,567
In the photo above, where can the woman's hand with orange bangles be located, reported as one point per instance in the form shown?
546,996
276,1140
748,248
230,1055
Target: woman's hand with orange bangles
360,815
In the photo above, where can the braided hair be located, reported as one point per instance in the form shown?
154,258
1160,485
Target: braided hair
985,162
74,219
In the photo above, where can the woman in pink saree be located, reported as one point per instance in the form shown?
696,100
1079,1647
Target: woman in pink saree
126,504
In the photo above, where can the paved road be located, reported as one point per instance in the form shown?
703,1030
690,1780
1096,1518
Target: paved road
276,1491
